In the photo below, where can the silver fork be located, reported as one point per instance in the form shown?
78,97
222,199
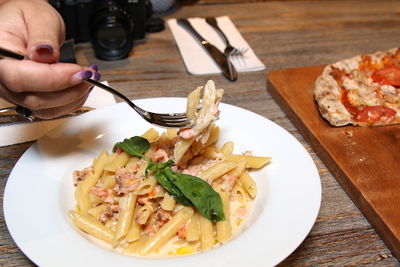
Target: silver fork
170,120
229,49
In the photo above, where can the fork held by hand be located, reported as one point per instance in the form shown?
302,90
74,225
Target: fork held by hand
171,120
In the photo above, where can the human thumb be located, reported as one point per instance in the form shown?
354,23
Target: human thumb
45,34
44,53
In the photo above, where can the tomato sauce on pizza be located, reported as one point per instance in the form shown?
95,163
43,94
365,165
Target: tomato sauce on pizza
362,90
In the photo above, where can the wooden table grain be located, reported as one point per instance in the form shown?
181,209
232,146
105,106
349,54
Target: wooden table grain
283,34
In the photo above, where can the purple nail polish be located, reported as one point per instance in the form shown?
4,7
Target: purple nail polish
82,75
85,74
94,67
96,76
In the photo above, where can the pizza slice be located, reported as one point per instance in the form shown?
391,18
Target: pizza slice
363,90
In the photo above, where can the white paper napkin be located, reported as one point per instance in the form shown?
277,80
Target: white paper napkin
29,131
198,61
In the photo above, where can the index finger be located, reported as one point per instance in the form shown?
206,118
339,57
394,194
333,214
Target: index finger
31,76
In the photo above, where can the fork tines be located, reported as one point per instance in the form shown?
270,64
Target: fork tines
174,120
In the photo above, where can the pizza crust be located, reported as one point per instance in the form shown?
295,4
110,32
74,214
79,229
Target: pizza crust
327,92
327,95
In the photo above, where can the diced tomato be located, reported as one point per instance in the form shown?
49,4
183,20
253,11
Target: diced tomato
119,150
152,193
346,102
373,114
387,75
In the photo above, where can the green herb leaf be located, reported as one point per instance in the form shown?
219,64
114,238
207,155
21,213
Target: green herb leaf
201,194
185,189
158,166
171,188
135,146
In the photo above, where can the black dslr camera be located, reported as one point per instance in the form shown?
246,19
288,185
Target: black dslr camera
111,25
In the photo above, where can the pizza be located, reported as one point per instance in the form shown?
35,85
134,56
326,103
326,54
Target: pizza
363,90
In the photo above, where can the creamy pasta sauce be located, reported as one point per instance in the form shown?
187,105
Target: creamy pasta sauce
169,199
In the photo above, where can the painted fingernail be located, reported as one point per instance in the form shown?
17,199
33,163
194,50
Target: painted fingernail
94,67
44,49
82,75
96,76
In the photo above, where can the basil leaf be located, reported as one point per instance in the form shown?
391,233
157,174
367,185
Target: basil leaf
135,146
201,194
172,190
163,165
154,166
185,189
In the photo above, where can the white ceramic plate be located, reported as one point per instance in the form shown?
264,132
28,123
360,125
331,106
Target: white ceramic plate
39,191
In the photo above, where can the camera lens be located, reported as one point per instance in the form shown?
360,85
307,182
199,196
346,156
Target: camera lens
111,29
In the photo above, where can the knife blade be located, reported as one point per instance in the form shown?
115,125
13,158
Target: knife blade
10,115
221,59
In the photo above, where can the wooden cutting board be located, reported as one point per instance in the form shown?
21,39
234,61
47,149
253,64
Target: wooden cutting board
365,161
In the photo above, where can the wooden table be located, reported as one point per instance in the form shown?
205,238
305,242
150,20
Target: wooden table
283,34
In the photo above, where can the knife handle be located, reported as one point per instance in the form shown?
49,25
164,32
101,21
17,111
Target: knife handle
186,24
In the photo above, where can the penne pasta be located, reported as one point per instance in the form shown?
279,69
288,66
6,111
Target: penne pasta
214,135
217,170
91,226
167,231
144,213
135,231
94,200
171,133
211,152
206,233
193,228
147,185
134,247
98,167
227,148
116,161
224,230
107,180
240,168
127,207
181,147
151,135
193,102
239,194
142,169
255,162
82,199
168,202
248,184
132,161
96,211
146,199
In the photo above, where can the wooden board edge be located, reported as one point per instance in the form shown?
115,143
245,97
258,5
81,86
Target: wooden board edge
351,190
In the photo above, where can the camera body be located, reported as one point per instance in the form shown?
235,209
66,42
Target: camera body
111,25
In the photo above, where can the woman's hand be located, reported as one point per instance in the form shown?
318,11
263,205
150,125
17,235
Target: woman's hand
35,29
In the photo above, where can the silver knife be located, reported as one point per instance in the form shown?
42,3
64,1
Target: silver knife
222,61
12,115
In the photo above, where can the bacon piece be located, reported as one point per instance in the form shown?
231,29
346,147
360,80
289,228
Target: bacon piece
228,182
79,176
182,231
107,195
160,155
